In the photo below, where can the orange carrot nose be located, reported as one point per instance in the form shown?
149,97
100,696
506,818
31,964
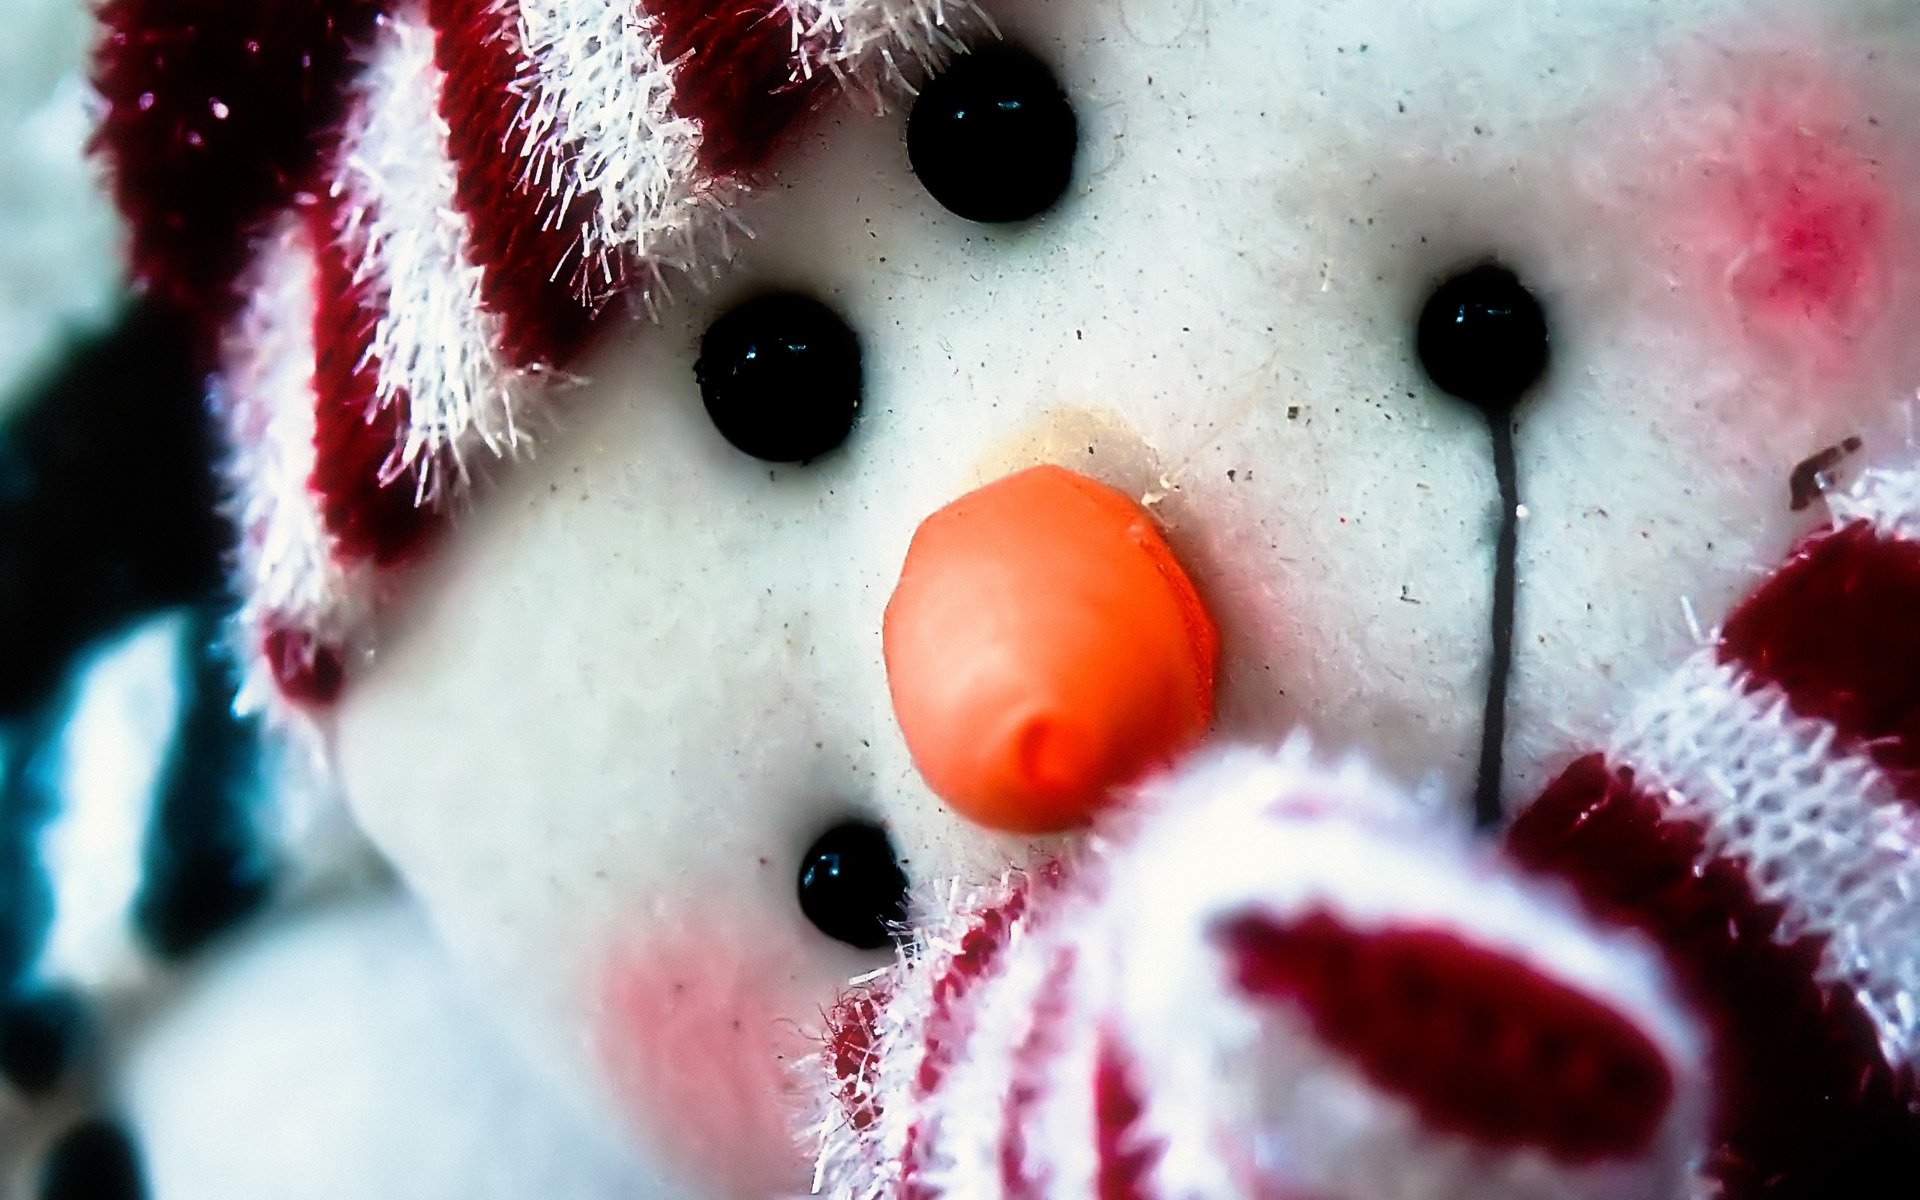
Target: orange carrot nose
1043,647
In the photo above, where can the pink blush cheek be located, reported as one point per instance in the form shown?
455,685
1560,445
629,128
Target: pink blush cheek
1784,203
1806,229
699,1032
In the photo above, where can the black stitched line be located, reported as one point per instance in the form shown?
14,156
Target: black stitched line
1493,721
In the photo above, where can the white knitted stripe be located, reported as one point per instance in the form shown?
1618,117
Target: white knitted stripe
1061,1150
408,242
600,121
878,44
1821,831
265,397
1887,499
966,1116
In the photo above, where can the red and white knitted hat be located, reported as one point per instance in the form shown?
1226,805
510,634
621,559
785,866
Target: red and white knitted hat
399,221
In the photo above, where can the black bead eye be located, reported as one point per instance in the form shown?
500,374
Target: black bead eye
851,886
1483,338
992,137
780,376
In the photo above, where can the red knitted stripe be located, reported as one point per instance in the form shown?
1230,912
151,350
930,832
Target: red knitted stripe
1838,629
913,1163
736,74
1481,1044
946,1027
532,273
354,436
212,121
979,949
852,1026
1037,1053
1807,1105
1126,1158
305,671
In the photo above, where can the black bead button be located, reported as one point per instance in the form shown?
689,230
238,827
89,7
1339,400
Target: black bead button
40,1035
851,886
992,138
780,376
1483,338
95,1160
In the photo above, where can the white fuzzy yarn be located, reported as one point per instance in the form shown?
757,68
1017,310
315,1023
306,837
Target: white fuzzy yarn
265,396
435,342
600,121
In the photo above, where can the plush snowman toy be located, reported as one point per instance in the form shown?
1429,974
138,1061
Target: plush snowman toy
707,470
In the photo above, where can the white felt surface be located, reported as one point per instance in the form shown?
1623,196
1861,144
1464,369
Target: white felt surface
341,1058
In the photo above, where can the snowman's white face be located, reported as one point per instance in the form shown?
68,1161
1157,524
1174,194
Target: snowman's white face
646,674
